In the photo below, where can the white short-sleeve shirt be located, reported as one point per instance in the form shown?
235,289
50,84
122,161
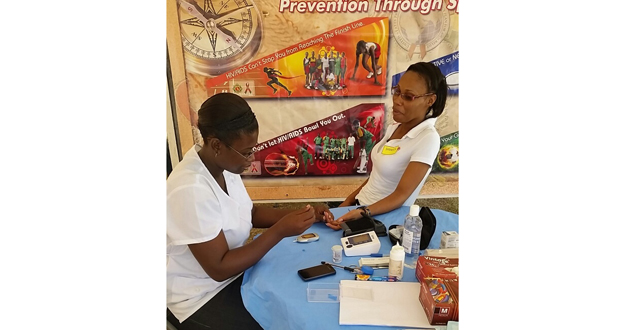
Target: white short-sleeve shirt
197,210
420,144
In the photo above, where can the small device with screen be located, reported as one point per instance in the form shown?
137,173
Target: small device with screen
362,225
315,272
361,244
305,238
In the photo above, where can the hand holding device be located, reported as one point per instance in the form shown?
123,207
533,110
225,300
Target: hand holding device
296,222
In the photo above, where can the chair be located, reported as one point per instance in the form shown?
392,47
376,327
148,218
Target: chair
169,326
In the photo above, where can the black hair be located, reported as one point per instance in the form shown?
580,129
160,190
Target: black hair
226,116
435,82
360,46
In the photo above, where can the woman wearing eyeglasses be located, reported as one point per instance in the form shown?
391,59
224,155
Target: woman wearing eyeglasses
402,160
209,217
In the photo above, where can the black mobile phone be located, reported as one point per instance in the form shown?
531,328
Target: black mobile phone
315,272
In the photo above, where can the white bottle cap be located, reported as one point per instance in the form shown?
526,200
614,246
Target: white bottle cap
414,210
397,250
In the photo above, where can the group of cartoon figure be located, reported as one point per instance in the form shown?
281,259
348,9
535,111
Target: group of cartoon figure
325,72
333,148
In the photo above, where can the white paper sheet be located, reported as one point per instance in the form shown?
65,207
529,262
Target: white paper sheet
382,303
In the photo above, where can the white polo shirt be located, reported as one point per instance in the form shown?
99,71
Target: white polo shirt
420,144
197,210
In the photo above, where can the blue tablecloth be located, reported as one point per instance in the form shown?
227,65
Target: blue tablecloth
276,296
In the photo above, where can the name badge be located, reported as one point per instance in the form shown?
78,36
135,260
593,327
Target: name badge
387,150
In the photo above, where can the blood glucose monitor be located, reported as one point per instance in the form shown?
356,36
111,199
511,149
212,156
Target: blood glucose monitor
306,238
361,244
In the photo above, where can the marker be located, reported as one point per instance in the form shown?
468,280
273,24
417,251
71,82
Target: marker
361,277
379,255
364,269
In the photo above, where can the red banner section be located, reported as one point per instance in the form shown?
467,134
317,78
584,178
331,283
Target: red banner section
320,66
336,145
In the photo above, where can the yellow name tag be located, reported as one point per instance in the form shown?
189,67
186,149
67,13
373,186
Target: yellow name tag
387,150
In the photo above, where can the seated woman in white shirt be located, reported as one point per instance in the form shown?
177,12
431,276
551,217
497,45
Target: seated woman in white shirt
209,217
402,160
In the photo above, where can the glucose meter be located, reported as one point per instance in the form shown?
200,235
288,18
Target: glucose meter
305,238
361,244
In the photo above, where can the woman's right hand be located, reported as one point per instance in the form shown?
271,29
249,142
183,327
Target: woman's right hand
296,222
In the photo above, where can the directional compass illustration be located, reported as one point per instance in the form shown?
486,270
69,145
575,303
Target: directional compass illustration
219,35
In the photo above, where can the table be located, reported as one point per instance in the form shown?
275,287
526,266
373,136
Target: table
276,296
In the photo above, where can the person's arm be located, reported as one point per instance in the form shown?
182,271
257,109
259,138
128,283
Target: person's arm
373,62
220,263
410,180
357,63
265,217
350,200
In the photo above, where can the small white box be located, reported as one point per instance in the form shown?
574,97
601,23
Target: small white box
449,239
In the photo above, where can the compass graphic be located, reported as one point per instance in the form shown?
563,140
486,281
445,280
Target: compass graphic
413,29
219,35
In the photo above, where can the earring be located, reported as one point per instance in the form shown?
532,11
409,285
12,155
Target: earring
217,153
429,113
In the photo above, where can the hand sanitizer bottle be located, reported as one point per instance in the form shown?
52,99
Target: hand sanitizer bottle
412,235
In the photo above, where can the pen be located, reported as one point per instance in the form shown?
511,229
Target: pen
364,269
379,255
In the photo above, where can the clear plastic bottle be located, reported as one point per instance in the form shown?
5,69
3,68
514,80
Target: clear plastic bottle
412,235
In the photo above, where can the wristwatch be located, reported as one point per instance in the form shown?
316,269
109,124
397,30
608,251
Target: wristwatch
365,209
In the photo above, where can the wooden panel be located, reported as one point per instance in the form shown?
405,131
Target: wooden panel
183,113
334,188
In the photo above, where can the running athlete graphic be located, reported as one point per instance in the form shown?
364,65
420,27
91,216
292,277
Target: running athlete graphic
273,75
368,50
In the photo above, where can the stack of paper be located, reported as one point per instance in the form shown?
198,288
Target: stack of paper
381,303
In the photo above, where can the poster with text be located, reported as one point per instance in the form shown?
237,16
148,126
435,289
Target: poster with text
300,63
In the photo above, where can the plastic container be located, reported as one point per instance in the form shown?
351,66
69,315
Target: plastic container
323,292
337,254
397,261
412,235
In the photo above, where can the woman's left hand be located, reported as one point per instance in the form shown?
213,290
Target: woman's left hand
322,213
351,215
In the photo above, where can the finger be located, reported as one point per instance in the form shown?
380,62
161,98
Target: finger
301,211
305,210
308,216
332,226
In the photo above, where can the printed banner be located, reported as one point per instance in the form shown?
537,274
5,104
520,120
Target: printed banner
317,66
336,145
449,66
448,157
282,57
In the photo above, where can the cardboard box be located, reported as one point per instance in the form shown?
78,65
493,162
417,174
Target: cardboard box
440,267
449,239
438,300
453,287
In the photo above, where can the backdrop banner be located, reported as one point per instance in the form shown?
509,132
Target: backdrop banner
317,74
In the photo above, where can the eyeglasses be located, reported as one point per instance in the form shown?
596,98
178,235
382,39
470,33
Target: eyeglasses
406,96
240,154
